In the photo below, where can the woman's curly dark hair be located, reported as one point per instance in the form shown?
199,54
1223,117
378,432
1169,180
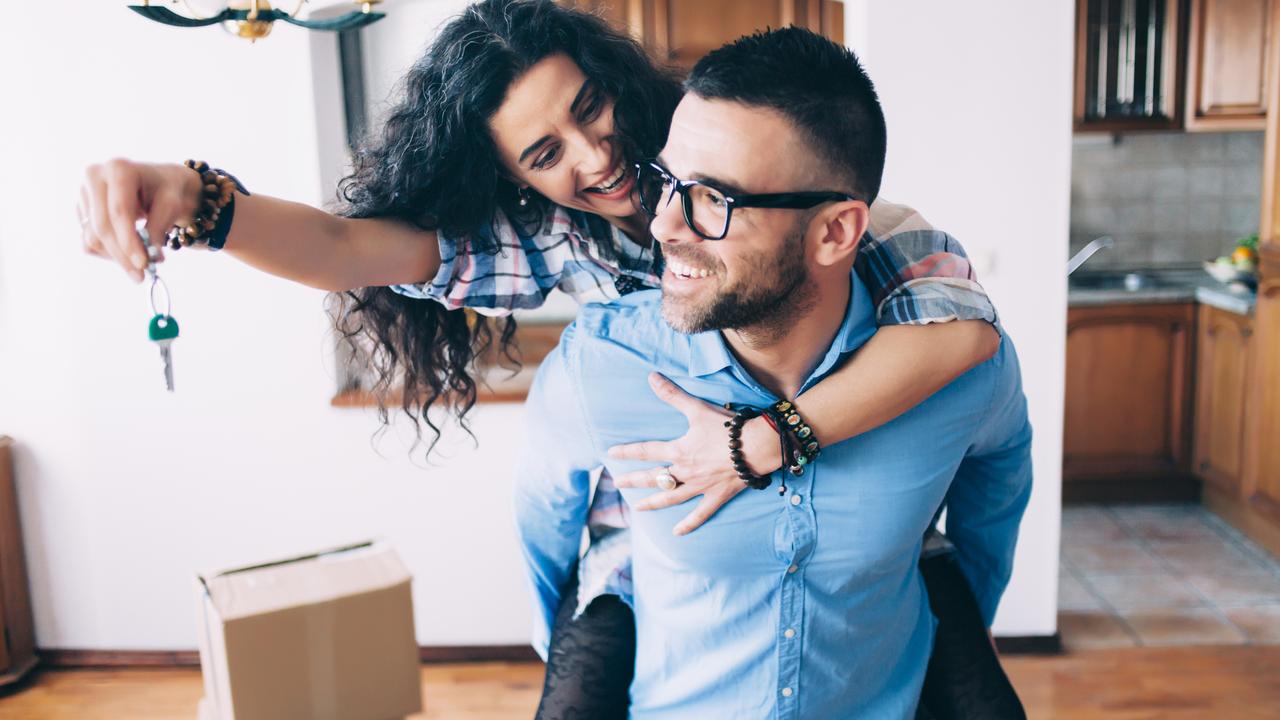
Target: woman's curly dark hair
435,165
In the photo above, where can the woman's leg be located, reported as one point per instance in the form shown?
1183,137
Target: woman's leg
591,660
964,680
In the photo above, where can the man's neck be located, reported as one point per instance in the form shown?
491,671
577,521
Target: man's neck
781,354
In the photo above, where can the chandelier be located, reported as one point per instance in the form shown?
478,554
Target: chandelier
252,19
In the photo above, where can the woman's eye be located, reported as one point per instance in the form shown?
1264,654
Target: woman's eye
591,111
546,159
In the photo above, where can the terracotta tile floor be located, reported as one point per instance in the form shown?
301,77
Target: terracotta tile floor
1163,575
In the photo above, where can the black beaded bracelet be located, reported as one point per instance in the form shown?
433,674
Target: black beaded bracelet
805,448
740,416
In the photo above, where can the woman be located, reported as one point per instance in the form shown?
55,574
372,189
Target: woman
502,173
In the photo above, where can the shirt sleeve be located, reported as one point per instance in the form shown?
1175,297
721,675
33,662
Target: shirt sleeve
491,283
991,489
552,492
917,274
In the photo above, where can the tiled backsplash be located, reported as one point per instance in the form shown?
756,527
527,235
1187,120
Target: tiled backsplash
1166,198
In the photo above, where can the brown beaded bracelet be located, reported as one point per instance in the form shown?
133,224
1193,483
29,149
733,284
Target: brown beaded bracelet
212,221
740,416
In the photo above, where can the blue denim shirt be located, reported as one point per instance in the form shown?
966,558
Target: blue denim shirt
808,605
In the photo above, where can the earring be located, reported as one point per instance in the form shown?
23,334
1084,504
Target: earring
524,196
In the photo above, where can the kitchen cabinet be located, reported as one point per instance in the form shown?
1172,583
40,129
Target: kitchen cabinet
1224,364
682,31
1262,468
1254,507
1227,75
1251,501
1129,69
1128,403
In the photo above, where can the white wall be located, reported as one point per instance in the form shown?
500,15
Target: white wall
977,98
126,490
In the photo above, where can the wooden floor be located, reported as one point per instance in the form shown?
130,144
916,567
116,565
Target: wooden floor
1235,683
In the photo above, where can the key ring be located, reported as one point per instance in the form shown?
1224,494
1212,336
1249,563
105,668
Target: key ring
153,254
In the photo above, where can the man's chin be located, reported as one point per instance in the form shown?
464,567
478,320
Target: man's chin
682,318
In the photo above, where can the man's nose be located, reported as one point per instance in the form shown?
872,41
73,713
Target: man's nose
668,225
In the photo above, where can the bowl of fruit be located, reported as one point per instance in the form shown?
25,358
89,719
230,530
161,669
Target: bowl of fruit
1241,266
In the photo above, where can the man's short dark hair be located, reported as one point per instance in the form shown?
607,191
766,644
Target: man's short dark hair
816,84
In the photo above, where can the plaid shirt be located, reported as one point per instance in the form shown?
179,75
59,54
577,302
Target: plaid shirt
916,275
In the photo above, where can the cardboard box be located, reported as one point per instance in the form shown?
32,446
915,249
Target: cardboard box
327,636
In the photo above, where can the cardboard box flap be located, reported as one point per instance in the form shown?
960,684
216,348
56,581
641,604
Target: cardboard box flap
305,580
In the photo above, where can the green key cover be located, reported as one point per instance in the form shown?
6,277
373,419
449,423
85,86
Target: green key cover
163,327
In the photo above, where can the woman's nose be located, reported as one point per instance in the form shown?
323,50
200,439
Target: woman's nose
595,153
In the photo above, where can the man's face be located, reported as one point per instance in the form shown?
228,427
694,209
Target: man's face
757,275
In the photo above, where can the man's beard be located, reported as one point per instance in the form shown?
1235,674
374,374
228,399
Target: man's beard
775,290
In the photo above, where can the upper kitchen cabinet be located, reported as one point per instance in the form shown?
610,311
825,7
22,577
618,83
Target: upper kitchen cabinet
682,31
1227,64
1128,65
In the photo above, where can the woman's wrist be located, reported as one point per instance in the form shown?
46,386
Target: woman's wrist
760,446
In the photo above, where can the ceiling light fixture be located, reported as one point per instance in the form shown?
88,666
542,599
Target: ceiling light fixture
252,19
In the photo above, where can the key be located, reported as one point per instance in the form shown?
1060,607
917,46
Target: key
163,331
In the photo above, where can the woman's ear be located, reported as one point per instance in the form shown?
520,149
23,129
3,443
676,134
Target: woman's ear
839,229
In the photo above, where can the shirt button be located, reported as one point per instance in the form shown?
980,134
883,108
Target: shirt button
795,499
793,568
790,633
786,692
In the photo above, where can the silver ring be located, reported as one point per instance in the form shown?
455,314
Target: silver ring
666,480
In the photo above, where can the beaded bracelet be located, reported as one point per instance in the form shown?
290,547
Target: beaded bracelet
804,446
740,416
212,222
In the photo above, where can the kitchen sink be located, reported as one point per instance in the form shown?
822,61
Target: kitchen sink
1130,281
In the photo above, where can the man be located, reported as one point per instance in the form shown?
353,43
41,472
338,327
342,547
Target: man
810,603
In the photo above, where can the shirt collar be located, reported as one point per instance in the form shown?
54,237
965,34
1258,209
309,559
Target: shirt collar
709,353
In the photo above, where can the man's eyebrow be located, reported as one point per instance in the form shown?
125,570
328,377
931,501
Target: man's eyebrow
724,186
533,148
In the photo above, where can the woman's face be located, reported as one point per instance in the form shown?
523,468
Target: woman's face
554,132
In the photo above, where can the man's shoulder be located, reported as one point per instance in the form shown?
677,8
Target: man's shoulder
631,323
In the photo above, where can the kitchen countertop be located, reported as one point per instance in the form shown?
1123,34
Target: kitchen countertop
1091,288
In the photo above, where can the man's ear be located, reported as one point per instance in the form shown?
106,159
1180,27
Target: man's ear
839,228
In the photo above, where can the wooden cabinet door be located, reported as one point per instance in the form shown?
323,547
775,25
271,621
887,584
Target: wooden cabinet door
682,31
1227,64
1262,465
1128,399
1223,368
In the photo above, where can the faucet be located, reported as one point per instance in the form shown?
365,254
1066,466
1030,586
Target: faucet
1087,252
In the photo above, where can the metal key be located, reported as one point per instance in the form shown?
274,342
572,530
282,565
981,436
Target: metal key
163,329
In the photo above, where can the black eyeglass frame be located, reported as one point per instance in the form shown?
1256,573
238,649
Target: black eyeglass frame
787,200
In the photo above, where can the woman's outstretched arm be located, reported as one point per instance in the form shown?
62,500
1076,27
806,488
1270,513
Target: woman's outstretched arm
287,239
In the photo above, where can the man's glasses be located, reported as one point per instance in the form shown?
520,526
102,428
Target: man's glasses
707,210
